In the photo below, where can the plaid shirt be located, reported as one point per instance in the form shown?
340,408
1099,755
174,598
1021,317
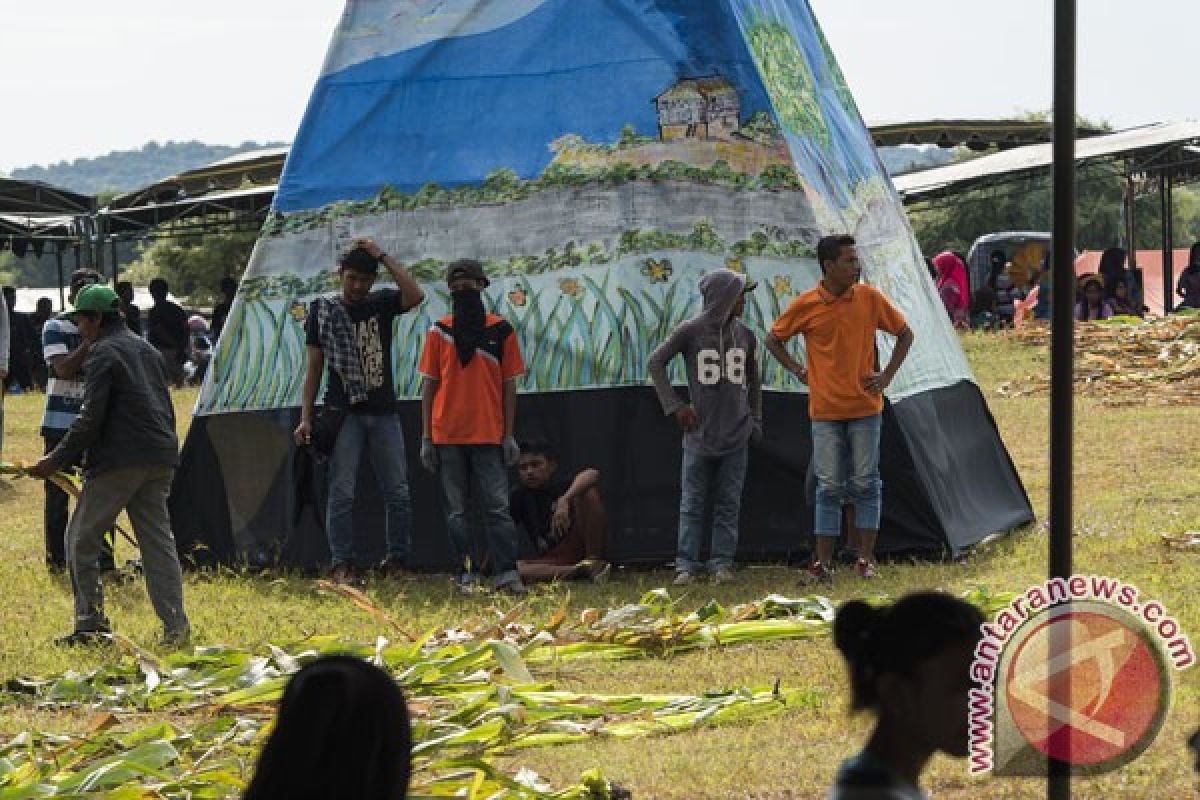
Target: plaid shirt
336,332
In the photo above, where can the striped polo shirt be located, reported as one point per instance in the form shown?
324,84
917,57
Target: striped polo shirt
63,398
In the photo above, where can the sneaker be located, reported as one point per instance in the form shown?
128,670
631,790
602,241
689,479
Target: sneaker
513,587
684,578
98,638
394,569
815,573
344,574
723,575
865,569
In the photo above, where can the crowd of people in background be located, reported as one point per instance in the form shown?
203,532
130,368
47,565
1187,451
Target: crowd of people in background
1012,293
185,339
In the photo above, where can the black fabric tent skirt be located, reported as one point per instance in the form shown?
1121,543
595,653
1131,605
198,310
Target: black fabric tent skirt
244,494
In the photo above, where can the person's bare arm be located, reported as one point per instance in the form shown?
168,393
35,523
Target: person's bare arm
429,391
410,291
780,351
312,383
68,366
878,381
586,479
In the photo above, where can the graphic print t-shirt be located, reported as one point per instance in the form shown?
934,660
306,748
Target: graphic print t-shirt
372,320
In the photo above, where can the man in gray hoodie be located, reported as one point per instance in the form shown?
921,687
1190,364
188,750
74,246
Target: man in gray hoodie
724,416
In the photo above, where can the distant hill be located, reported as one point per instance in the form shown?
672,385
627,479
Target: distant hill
124,170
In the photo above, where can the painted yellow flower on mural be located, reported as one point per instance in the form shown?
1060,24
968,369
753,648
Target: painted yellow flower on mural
571,287
783,285
735,264
658,271
298,310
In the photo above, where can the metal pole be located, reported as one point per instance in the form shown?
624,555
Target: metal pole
115,262
1169,257
98,232
58,253
1131,218
1062,342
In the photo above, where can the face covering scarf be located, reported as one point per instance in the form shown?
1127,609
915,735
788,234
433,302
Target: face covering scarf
470,320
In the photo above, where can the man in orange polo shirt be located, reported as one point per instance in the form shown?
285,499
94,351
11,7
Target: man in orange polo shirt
470,364
838,321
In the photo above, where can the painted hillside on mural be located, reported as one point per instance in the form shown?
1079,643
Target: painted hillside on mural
595,191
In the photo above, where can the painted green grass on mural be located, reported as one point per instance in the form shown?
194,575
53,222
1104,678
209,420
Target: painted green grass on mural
607,356
544,344
230,343
280,363
237,363
252,372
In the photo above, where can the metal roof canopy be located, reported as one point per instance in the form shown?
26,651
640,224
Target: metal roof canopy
976,134
34,198
19,226
256,167
1163,147
205,213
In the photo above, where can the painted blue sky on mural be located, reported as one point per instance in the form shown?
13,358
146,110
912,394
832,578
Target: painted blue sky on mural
502,86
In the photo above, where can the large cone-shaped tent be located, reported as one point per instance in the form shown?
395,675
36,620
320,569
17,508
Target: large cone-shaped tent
598,156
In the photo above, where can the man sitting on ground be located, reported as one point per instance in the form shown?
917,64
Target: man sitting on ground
566,523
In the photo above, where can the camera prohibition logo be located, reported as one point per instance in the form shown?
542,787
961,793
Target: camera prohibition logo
1076,670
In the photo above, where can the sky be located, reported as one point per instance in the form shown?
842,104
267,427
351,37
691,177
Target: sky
80,78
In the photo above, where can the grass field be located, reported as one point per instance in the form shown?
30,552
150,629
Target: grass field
1137,476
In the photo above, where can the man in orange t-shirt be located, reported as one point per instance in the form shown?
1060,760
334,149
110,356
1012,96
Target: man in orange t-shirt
470,364
838,321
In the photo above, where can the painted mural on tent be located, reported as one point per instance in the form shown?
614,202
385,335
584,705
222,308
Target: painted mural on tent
595,192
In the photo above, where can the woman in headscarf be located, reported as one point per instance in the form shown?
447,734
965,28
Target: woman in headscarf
953,289
1093,305
1189,282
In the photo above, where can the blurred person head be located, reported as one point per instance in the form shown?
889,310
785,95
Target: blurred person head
125,292
81,278
159,290
537,464
358,270
910,665
45,308
342,730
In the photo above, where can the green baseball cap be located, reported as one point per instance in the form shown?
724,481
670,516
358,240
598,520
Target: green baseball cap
97,297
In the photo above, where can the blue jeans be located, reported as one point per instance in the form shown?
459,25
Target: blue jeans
477,472
381,436
846,463
725,476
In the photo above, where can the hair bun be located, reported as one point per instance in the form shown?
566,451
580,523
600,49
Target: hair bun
852,627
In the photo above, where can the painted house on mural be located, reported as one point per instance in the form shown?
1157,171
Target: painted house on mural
698,108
